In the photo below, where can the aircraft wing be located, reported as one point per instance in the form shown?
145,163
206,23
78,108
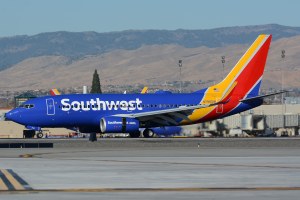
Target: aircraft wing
167,117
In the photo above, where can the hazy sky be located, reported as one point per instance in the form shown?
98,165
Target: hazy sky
19,17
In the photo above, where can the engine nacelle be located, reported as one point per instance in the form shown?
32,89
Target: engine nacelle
119,125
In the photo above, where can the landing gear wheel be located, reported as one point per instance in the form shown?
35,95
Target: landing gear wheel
39,135
148,133
135,134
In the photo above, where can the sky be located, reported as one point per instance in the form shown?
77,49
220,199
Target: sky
30,17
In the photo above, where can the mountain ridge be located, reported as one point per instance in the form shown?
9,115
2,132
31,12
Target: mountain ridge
150,64
76,45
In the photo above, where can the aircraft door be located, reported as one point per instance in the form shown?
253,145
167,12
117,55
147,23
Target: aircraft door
219,109
50,107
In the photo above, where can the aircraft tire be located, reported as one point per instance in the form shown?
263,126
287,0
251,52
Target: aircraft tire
148,133
135,134
39,135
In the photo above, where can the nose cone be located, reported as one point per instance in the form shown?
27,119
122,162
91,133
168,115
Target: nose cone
12,115
5,118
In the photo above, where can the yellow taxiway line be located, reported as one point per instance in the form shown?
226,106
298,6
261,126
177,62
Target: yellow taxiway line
113,190
10,181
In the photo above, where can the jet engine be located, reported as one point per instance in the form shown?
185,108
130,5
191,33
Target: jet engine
119,125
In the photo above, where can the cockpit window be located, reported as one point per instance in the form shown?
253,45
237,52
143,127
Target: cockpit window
28,106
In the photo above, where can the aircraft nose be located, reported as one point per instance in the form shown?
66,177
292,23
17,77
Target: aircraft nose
5,117
11,115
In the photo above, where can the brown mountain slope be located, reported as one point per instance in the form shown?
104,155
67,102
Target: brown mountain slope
149,64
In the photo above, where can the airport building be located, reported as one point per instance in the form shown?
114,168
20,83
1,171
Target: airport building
266,120
23,97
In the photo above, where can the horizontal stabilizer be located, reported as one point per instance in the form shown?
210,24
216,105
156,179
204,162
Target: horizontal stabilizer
261,96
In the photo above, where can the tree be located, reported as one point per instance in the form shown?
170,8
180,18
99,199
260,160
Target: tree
96,87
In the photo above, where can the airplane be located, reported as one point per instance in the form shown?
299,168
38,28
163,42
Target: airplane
54,92
144,90
165,131
128,113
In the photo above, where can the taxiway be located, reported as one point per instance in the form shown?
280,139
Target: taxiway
255,168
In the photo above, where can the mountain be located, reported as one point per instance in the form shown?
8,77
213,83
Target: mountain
76,46
150,64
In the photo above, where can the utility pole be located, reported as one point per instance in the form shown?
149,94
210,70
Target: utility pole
180,82
223,62
282,71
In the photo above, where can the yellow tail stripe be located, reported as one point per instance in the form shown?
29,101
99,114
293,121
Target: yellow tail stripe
230,90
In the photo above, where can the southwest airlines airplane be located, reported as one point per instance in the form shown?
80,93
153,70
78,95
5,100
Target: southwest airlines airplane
130,113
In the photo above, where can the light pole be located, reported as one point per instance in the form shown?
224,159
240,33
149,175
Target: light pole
180,65
223,62
282,95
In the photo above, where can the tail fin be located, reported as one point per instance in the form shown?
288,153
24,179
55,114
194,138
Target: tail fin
247,73
144,90
242,83
54,92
